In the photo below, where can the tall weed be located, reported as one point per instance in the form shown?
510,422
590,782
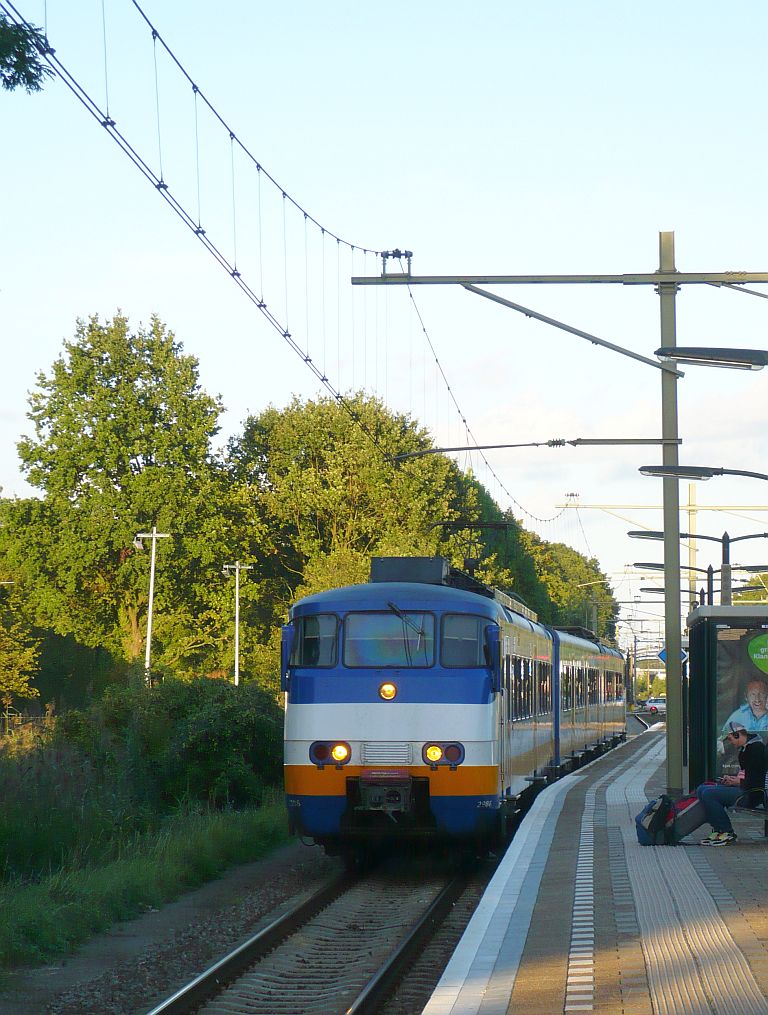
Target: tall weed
52,916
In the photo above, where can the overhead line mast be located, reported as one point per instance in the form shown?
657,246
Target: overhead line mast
666,281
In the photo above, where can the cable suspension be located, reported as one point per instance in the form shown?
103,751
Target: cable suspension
231,267
470,436
158,182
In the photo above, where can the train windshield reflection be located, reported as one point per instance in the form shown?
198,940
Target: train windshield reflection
403,638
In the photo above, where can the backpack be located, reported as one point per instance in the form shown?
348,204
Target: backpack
653,824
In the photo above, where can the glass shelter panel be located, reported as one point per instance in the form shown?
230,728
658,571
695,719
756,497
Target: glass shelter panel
742,686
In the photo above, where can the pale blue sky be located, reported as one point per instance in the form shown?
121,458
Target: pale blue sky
506,138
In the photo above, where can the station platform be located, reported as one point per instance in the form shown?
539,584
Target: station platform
580,918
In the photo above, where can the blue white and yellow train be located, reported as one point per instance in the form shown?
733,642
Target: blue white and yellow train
427,704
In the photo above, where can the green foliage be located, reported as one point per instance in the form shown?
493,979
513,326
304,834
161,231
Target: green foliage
576,586
328,499
659,686
19,653
305,496
61,806
21,63
114,770
121,442
42,920
203,740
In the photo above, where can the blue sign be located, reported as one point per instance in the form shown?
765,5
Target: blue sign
663,655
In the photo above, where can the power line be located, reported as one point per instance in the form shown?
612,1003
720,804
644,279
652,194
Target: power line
462,417
159,183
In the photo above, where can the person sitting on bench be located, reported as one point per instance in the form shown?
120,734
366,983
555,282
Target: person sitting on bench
731,788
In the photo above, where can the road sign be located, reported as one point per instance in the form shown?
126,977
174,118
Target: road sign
663,655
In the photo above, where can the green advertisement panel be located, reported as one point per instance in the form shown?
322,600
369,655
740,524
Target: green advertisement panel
741,686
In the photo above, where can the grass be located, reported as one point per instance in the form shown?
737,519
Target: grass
51,917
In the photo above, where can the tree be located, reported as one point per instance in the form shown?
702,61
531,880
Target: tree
122,435
328,496
19,654
575,585
21,63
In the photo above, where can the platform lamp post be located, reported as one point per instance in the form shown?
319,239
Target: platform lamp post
726,568
154,535
237,567
708,571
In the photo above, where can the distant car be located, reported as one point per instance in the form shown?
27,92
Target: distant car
656,706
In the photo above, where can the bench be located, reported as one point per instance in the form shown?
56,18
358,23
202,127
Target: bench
758,811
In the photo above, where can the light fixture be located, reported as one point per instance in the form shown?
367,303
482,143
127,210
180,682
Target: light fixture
701,472
729,359
387,691
340,753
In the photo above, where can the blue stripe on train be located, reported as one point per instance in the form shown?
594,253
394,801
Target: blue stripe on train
428,687
320,816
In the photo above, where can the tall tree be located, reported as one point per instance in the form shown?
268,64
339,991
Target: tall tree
21,62
329,496
580,592
122,435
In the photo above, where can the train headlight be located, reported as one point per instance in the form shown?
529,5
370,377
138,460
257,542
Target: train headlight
450,754
329,752
340,753
388,691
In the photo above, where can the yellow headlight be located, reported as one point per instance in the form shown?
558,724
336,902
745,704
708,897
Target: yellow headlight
434,753
387,691
339,752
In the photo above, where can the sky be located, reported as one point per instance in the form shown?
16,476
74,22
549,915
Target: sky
512,139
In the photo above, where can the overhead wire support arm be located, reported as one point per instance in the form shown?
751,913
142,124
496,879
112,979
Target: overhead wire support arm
555,442
665,366
725,278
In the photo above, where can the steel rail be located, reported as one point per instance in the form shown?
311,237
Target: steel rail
229,968
382,983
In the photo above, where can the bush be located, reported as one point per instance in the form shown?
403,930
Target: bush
114,771
204,740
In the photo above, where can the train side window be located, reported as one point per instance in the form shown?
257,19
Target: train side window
517,687
463,640
316,639
581,696
545,688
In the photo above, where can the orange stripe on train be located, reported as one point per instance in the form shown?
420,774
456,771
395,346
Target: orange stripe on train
470,780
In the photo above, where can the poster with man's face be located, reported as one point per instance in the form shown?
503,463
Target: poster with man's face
742,685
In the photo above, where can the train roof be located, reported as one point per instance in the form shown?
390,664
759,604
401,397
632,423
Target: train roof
580,636
415,595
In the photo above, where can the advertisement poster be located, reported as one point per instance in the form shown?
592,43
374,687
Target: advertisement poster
742,687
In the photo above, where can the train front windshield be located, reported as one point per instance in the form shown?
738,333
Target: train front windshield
402,639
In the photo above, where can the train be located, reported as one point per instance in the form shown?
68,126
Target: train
428,705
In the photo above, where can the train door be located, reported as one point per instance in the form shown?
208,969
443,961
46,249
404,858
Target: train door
505,713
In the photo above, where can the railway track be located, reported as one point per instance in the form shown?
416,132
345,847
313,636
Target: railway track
342,951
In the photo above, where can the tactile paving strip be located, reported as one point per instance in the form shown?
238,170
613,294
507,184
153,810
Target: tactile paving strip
481,974
479,977
580,982
693,964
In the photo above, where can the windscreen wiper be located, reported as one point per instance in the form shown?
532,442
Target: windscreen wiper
407,620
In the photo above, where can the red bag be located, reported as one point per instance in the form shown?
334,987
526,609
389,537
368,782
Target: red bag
686,815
